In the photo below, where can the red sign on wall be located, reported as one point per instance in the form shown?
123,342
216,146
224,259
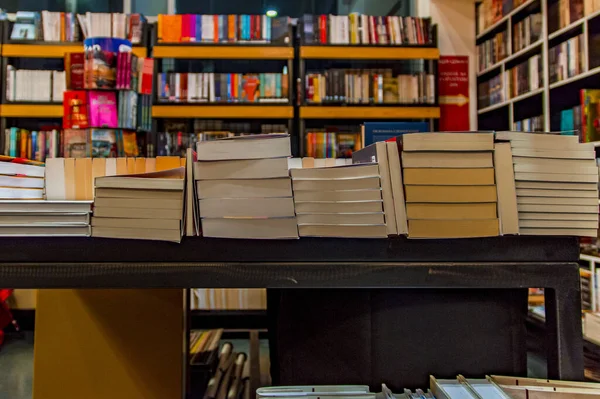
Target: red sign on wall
453,86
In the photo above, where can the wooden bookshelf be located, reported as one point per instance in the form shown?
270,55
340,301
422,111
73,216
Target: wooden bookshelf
223,111
239,52
374,112
31,110
50,50
369,52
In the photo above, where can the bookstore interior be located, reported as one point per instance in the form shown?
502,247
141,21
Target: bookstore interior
335,199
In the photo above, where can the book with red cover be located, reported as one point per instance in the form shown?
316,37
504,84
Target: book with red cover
147,73
103,109
74,66
250,88
75,111
323,29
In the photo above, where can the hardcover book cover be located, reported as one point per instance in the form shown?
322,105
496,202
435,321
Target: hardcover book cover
74,66
590,124
76,143
75,113
103,109
102,69
250,88
104,143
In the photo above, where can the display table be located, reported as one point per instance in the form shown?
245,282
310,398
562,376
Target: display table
83,263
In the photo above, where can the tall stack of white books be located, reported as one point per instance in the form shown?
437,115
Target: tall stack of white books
244,188
556,180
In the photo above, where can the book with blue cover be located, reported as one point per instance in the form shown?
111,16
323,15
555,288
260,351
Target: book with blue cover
382,131
27,26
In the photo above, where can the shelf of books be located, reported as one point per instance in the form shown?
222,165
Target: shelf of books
366,52
223,111
218,51
51,50
538,62
368,112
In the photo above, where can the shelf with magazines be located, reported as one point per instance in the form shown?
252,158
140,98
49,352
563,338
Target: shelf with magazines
546,53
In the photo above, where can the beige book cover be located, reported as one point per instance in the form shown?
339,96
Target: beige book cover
70,179
451,194
55,179
397,186
453,228
451,211
439,159
505,189
449,177
121,166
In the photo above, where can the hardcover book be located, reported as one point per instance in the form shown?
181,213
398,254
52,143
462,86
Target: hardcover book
74,66
103,109
75,110
104,143
76,143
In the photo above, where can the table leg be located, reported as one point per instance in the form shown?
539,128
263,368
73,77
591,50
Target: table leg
563,326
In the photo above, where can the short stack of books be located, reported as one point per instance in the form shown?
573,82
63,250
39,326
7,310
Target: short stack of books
244,188
21,179
147,206
340,201
38,218
556,181
450,185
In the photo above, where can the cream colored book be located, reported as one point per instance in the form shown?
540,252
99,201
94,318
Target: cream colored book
341,218
112,212
164,224
451,194
559,169
532,192
170,179
244,188
566,154
374,231
45,231
368,183
339,207
448,142
556,177
337,196
453,228
139,203
559,232
506,192
276,228
557,201
449,177
142,194
558,216
557,185
397,188
355,171
554,224
137,233
242,169
558,208
451,211
246,207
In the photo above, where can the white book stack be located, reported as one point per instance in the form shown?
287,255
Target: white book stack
34,85
244,188
39,218
340,201
556,180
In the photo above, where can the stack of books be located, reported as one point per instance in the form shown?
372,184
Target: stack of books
38,218
21,179
556,181
147,206
244,188
340,201
450,185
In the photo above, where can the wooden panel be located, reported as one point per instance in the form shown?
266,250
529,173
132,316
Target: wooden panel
325,112
50,50
31,111
224,52
223,111
369,53
120,344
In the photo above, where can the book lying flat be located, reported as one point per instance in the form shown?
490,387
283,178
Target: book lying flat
453,228
567,224
245,147
355,171
242,169
558,208
21,167
337,196
557,200
589,169
141,213
339,207
553,145
368,183
558,216
170,179
45,219
532,192
449,177
162,224
21,182
448,142
557,185
140,203
559,232
45,231
45,206
536,138
341,218
21,193
451,211
554,162
275,228
137,234
556,177
345,231
247,207
558,153
431,159
244,188
450,194
147,194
